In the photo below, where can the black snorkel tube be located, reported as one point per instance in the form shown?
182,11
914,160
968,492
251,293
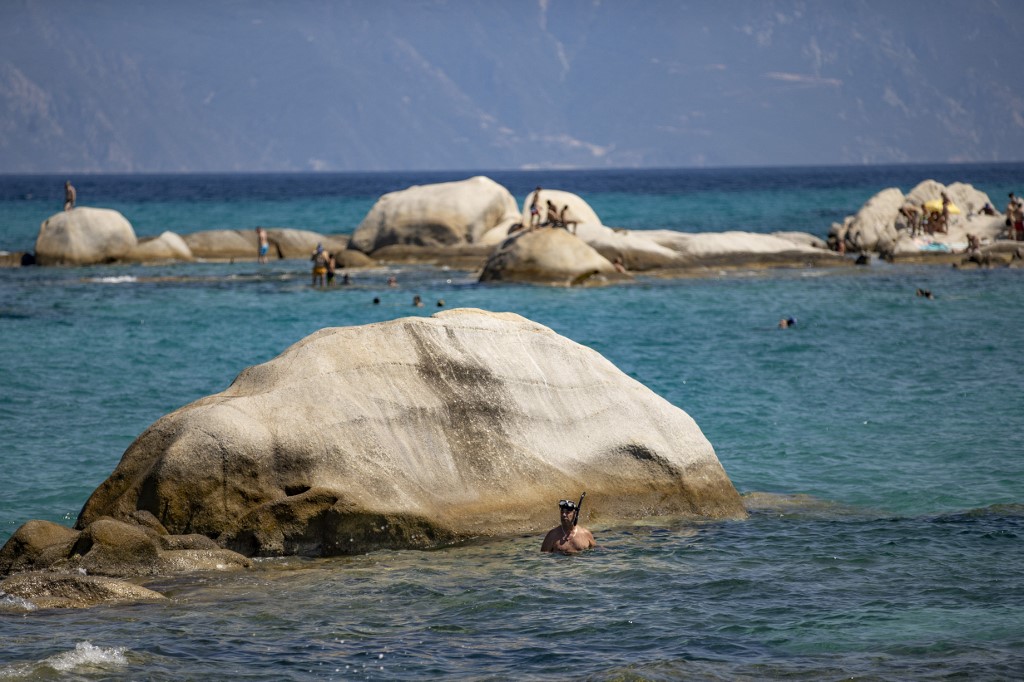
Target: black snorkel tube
579,504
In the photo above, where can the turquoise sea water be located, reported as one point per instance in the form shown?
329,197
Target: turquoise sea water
877,442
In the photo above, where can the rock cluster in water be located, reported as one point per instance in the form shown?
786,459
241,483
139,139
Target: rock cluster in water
476,224
469,223
885,225
413,433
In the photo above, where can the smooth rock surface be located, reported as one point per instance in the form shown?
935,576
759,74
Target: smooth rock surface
693,245
441,214
168,246
548,256
415,433
84,236
243,244
879,227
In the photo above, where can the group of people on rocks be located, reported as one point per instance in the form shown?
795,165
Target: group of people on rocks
928,218
554,217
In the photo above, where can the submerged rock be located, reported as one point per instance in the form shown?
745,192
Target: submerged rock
415,433
84,236
441,214
72,591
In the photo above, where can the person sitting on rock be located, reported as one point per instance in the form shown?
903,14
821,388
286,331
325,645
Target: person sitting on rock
973,243
568,537
552,220
70,195
567,219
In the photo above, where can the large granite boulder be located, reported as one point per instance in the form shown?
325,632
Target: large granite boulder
548,256
167,246
415,433
964,196
633,248
875,222
84,236
880,227
442,214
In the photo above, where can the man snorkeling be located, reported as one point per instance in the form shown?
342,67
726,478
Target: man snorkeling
568,537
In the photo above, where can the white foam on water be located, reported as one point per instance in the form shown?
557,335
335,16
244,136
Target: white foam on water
9,601
120,279
85,654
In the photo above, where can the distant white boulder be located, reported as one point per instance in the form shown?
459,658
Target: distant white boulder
547,256
84,236
442,214
735,244
880,226
168,246
222,244
285,242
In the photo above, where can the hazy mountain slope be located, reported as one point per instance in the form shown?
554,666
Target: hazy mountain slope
314,84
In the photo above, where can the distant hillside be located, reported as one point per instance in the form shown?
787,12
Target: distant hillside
459,84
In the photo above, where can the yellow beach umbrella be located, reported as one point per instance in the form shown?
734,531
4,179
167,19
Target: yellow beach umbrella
935,206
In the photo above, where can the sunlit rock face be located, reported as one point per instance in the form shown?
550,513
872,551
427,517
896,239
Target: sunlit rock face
84,236
415,433
442,214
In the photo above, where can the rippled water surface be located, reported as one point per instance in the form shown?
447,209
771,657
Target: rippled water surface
877,444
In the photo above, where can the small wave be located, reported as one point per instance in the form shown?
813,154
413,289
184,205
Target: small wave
119,279
9,601
85,654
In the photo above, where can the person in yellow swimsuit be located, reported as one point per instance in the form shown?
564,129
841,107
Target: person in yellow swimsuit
320,259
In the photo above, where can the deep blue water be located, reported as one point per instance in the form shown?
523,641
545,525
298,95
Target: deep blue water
877,442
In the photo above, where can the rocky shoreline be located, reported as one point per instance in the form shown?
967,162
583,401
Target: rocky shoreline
475,225
423,432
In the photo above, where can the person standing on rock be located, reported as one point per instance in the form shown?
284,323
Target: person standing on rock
264,244
70,195
568,537
535,208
